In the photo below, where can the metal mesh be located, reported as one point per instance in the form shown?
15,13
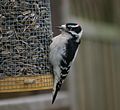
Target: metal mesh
25,33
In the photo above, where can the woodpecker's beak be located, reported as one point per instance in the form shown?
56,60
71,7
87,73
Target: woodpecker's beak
58,27
62,27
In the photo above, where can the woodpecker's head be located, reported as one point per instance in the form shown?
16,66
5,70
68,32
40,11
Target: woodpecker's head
71,28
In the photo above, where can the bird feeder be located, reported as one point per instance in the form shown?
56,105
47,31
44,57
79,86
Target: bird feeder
25,36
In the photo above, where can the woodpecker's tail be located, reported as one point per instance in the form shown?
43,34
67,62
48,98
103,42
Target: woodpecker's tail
54,96
58,86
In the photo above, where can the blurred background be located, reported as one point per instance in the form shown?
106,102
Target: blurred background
95,76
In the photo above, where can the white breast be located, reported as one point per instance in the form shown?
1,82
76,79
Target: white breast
57,48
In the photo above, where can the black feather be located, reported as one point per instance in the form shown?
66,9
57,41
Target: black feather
58,86
54,96
71,47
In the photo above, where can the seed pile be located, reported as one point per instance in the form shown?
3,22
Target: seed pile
25,33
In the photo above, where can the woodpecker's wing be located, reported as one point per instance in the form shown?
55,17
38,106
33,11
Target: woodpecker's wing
65,64
71,50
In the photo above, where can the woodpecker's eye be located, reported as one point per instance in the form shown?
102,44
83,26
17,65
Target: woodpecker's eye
77,29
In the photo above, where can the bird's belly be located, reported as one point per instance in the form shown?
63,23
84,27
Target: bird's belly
56,55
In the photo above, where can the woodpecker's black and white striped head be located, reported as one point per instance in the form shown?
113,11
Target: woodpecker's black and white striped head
71,28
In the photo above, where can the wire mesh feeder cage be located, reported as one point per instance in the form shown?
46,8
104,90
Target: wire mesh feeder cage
25,36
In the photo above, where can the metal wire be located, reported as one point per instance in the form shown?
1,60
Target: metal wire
25,33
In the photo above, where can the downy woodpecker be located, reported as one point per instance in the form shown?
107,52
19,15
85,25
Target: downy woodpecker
63,50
